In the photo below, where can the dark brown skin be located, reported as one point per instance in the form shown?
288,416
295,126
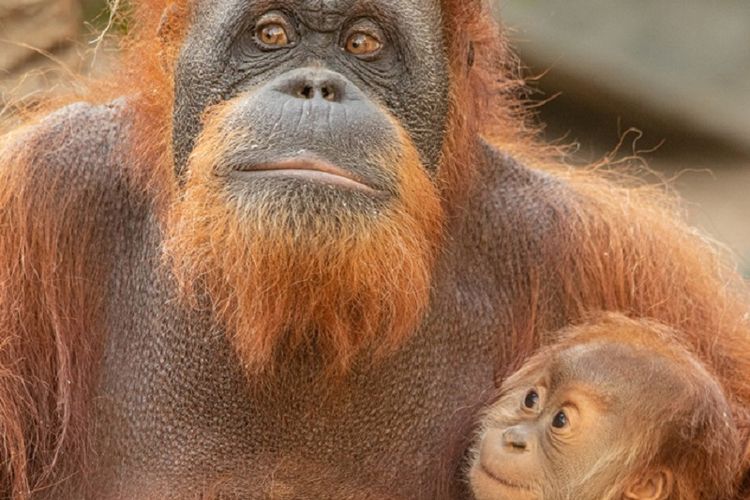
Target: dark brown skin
618,410
256,262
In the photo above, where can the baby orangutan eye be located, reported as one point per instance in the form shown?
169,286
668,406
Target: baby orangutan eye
560,421
532,400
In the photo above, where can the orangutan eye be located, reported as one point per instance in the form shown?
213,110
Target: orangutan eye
273,34
532,399
560,421
362,44
273,31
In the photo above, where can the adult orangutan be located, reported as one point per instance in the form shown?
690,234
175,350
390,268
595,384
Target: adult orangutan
289,249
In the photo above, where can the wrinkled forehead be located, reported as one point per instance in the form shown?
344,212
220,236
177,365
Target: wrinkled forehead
417,23
324,12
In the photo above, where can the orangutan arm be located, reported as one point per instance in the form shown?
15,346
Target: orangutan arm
60,195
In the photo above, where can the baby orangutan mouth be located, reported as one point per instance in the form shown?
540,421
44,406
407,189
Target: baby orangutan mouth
617,410
487,471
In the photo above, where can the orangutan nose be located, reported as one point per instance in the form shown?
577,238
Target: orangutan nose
315,85
516,439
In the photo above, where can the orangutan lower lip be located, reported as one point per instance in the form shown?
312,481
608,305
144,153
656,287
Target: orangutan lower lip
502,481
307,169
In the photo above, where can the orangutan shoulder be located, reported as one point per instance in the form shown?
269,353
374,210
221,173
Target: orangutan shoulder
525,201
72,160
75,147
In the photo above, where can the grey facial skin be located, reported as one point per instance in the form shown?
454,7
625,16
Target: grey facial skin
310,151
221,60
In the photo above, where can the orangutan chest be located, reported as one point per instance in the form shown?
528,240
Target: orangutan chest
177,408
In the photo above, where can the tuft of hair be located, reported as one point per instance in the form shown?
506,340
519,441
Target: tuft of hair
53,268
51,275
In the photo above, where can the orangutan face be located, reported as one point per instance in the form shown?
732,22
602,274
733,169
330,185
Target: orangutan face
564,431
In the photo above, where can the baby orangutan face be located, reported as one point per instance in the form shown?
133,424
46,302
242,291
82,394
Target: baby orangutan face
561,431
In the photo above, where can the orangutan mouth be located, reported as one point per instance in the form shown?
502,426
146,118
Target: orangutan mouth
307,169
504,482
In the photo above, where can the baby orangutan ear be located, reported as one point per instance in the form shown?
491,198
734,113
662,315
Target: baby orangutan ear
652,485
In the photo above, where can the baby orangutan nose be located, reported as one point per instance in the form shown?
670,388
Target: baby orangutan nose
505,457
516,439
500,446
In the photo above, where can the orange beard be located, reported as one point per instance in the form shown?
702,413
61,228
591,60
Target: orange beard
282,280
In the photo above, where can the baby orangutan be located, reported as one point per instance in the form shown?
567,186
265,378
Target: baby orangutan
616,410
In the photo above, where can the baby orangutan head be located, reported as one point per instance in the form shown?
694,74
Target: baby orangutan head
615,410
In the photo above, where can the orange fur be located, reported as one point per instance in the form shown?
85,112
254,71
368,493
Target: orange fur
626,247
50,289
49,307
630,251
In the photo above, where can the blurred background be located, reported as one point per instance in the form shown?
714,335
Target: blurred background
667,80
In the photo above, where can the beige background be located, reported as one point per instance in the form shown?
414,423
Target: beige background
37,44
